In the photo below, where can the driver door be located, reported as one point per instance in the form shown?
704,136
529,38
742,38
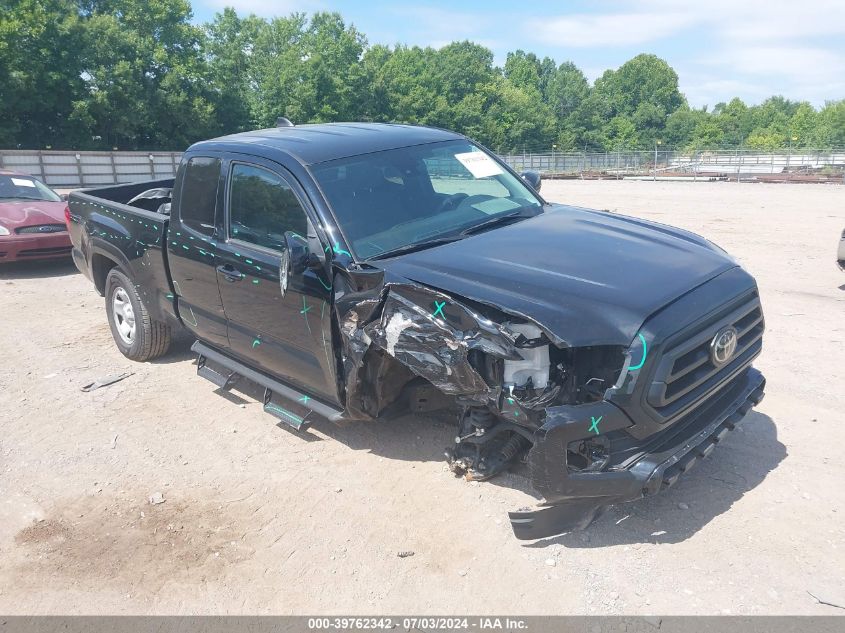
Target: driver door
279,323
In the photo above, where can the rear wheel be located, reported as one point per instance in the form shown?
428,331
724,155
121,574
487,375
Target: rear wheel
137,336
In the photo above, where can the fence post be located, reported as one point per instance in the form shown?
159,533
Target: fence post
79,169
113,168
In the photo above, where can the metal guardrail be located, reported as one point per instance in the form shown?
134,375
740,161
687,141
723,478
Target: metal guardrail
90,169
746,162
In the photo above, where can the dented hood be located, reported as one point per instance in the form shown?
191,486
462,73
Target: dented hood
587,277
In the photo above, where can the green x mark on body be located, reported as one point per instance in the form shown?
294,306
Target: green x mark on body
595,423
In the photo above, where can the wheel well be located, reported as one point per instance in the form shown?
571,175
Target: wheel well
100,267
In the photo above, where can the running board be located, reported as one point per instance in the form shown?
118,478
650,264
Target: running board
235,369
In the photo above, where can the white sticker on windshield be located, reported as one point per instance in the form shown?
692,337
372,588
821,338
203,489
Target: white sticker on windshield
20,182
479,164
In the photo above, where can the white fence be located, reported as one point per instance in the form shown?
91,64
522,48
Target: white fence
706,161
89,169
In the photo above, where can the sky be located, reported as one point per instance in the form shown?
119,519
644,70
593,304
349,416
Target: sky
720,49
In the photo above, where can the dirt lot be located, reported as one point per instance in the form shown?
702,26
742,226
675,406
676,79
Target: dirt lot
258,519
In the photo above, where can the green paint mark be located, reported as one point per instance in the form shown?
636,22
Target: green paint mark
284,412
248,261
305,399
439,305
256,342
510,400
186,247
595,423
645,352
304,313
323,283
337,249
255,281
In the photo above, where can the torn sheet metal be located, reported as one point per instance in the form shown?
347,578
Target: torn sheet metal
416,332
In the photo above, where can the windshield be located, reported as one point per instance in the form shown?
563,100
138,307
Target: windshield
25,188
388,200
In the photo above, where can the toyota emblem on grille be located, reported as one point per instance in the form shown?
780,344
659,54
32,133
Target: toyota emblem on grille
723,345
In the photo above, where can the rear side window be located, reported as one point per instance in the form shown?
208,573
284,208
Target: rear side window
262,207
198,201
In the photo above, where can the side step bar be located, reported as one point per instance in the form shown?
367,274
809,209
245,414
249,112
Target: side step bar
235,369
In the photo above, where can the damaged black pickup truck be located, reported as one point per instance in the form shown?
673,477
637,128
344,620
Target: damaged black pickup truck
353,270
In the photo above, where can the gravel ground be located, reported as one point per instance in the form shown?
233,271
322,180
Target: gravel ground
258,519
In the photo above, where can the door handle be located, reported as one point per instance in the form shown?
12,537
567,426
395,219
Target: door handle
230,273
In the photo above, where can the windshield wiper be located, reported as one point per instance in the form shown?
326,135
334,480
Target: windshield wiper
523,212
417,246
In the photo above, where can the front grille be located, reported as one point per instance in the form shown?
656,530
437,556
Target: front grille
42,252
686,370
43,228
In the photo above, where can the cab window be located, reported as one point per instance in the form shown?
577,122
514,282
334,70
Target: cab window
198,201
262,207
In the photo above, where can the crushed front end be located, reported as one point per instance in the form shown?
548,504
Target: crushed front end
612,424
597,424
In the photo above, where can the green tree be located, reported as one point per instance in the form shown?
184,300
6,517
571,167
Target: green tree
830,126
644,89
229,42
41,43
144,74
681,126
523,71
802,125
307,70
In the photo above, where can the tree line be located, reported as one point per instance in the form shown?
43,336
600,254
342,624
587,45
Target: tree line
139,74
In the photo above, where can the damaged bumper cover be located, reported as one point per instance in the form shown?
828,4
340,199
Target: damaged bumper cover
572,500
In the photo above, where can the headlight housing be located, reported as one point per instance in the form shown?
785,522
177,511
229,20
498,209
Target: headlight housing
4,230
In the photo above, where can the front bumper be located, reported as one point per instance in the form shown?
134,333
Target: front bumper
572,500
34,246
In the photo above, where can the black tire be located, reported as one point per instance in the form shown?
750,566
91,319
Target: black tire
149,339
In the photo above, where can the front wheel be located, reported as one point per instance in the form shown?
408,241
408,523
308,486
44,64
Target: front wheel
138,337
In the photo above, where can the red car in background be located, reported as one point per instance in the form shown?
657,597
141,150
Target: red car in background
33,220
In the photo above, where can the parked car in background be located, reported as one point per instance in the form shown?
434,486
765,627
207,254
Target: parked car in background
33,221
840,254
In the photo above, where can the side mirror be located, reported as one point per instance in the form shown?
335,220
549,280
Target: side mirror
296,259
63,196
532,178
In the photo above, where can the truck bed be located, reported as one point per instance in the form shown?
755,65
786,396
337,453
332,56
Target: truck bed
105,232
